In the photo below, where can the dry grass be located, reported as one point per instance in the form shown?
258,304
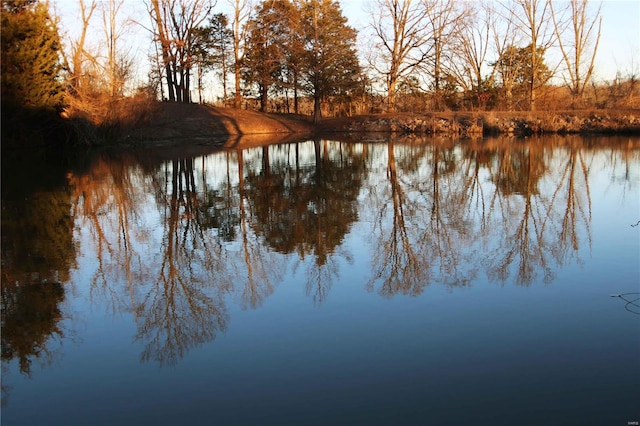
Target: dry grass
98,117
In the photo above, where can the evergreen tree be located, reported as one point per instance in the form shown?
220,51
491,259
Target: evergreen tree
331,62
267,51
212,49
221,42
30,55
517,75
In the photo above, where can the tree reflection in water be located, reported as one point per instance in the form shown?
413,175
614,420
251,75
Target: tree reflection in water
37,255
107,199
307,208
421,241
398,264
175,241
182,309
537,227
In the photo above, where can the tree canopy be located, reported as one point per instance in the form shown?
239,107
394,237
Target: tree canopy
330,59
304,45
269,46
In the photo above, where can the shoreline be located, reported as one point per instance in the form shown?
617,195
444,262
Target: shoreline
178,124
491,123
174,121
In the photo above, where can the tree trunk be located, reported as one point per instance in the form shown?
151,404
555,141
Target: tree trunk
509,99
317,107
164,42
391,94
296,106
237,100
170,82
186,97
534,72
264,88
199,83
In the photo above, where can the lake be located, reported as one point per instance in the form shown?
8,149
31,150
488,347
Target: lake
320,282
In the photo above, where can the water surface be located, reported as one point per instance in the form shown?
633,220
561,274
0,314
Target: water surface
423,281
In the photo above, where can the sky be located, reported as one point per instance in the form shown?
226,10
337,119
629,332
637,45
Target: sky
618,53
620,41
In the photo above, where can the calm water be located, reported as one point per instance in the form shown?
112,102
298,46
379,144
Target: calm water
324,282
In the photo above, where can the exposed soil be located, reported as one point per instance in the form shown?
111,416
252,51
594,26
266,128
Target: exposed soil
201,123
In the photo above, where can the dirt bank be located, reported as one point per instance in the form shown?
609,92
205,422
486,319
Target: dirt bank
174,122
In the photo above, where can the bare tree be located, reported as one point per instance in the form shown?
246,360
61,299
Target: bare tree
241,13
473,46
78,53
505,37
100,75
161,36
117,65
533,19
445,21
580,46
401,29
175,22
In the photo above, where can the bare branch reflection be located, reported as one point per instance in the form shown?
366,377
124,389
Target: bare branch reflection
445,223
427,224
263,269
182,310
397,263
539,228
106,199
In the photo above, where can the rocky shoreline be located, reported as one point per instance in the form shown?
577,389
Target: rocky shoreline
491,123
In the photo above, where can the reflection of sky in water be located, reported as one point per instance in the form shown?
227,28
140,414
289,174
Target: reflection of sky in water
300,341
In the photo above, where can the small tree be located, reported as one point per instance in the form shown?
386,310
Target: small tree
516,72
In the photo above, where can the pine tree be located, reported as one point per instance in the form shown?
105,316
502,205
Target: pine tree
268,46
30,55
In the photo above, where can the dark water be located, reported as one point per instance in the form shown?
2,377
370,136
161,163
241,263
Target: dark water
420,282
